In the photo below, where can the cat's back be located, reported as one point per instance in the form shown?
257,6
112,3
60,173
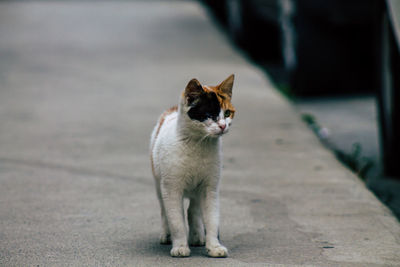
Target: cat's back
163,132
164,126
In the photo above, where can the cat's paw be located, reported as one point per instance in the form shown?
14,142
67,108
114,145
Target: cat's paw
165,239
182,251
217,251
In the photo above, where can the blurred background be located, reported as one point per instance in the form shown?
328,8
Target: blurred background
338,61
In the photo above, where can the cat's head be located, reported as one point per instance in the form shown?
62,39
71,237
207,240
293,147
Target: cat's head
208,109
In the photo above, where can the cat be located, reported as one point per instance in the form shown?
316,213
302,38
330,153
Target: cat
185,153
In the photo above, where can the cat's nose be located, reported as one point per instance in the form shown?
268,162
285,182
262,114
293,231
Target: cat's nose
222,126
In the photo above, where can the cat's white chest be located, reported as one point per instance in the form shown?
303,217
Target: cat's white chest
188,164
199,165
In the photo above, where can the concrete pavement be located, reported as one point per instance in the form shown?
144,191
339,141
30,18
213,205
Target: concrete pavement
81,86
352,120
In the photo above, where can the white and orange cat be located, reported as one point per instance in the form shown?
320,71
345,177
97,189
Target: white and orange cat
186,163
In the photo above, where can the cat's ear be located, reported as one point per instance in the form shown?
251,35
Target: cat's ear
226,86
193,91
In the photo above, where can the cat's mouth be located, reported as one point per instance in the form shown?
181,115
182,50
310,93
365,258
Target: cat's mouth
215,135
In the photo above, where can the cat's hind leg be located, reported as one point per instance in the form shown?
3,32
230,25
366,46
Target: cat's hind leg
196,226
165,237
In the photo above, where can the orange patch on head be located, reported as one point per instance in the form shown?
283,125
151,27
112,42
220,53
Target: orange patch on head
224,94
223,91
223,98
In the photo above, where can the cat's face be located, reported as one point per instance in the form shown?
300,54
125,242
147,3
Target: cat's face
209,108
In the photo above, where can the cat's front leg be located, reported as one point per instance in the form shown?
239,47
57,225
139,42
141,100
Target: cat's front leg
173,203
210,209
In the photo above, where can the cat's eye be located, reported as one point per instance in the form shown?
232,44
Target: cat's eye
227,113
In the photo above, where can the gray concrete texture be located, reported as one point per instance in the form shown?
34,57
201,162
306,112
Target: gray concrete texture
81,86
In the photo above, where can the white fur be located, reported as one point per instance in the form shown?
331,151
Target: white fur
186,158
